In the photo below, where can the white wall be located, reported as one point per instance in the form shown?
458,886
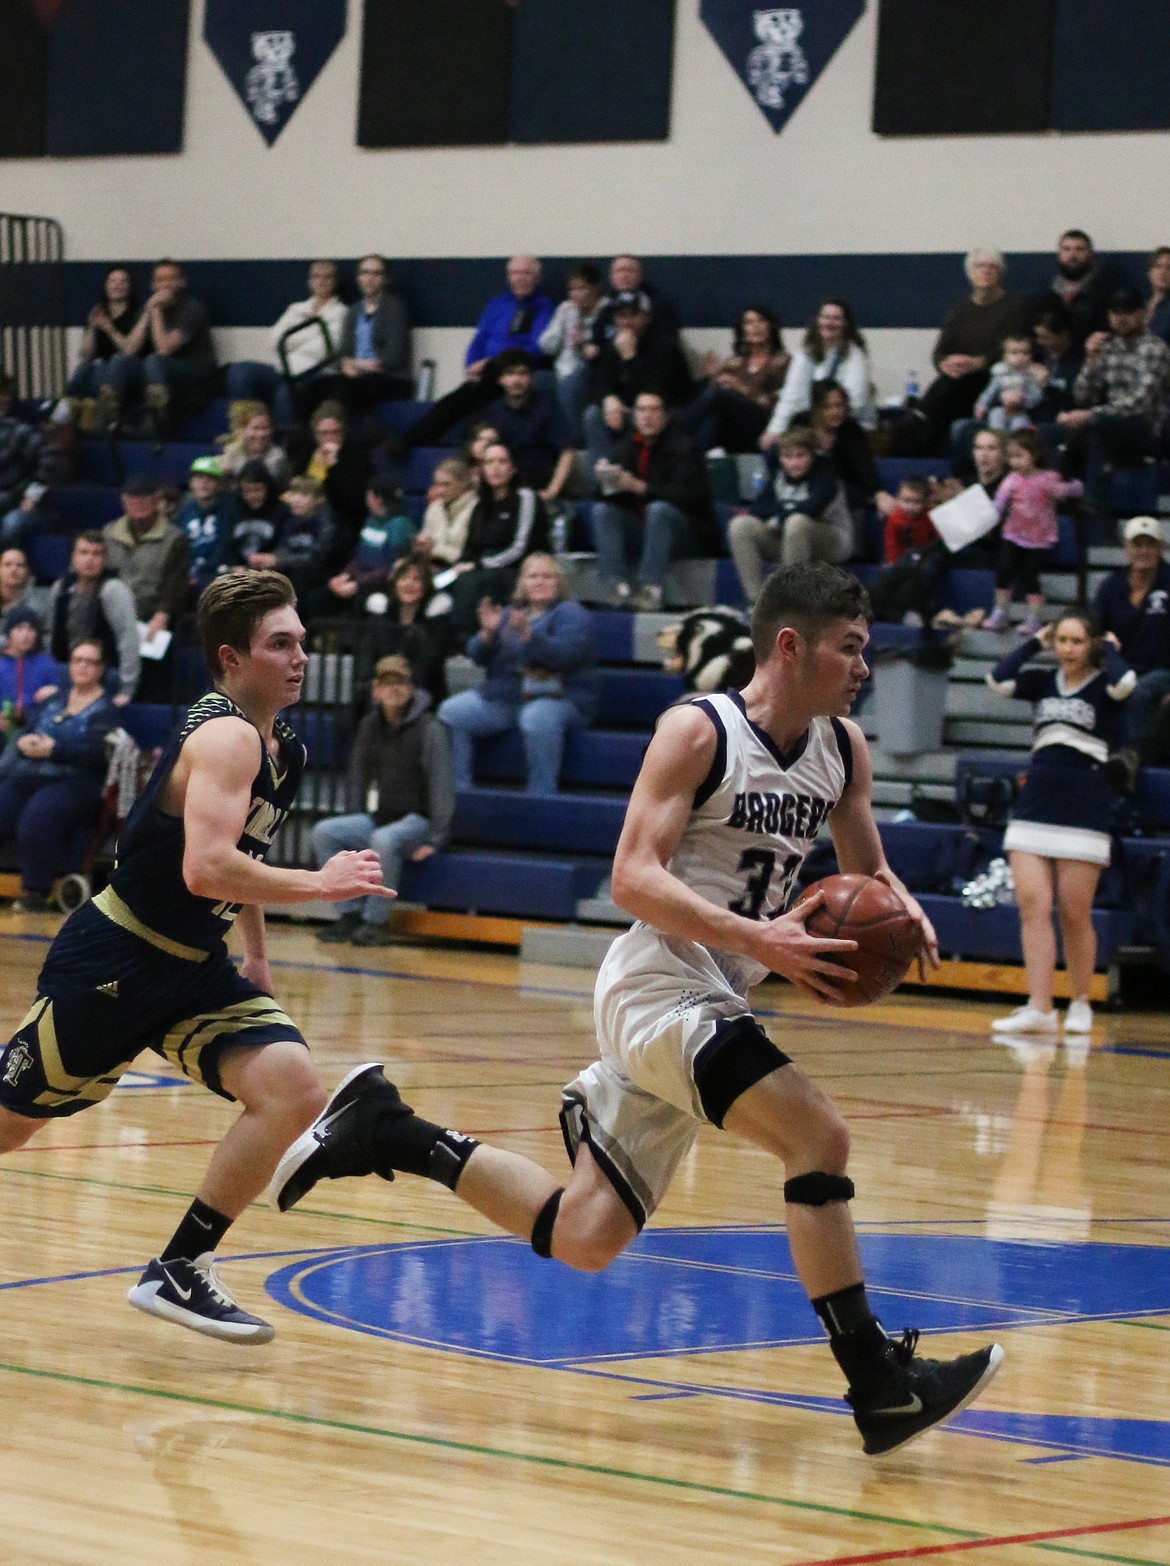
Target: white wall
723,184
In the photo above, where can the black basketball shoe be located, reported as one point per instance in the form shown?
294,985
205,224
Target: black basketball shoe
329,1149
906,1396
192,1294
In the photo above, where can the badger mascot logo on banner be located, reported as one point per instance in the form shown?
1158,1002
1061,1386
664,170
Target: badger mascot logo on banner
777,62
273,82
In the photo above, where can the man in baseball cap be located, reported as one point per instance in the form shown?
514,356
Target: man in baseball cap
1133,603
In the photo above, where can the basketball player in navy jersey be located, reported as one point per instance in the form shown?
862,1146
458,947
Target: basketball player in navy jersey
729,799
145,966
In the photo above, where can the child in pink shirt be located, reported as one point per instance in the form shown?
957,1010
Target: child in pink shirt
1026,502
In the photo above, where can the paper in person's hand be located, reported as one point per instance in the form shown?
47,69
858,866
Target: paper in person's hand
968,516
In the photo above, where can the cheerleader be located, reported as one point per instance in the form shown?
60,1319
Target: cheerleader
1058,837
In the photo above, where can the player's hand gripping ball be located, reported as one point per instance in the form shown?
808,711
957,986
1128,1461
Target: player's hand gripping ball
862,909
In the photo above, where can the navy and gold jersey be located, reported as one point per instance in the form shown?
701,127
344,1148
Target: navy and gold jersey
147,894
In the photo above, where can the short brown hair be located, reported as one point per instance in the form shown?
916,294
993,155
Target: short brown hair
232,606
91,535
797,440
808,597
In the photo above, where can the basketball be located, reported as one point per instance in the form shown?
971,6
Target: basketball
859,908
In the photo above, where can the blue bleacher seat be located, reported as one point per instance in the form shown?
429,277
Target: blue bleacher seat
150,724
48,555
97,463
892,470
420,468
400,415
636,696
520,885
1134,490
1152,799
613,634
84,506
993,934
964,590
594,758
172,462
575,823
204,424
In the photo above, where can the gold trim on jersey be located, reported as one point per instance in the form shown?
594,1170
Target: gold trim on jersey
183,1044
61,1087
109,903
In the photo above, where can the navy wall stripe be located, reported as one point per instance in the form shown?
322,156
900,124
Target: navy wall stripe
885,290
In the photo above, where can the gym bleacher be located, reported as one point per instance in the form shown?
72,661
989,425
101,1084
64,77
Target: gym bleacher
518,860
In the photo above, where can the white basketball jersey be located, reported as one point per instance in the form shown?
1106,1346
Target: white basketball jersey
756,815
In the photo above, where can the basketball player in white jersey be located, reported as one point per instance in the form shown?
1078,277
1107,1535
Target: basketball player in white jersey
729,799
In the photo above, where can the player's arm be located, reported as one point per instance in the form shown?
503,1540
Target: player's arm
221,760
677,763
254,964
859,847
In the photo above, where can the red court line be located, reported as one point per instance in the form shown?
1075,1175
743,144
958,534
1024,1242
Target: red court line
953,1548
111,1147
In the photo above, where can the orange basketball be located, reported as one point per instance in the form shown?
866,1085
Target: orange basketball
858,908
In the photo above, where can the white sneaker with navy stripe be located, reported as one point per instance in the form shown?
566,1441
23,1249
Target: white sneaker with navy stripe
190,1294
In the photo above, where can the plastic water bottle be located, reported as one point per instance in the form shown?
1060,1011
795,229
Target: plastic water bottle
910,391
559,530
759,481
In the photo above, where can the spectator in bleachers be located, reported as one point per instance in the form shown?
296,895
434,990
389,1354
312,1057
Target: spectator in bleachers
732,410
387,536
29,676
1122,394
207,517
539,657
448,515
801,515
908,588
1011,400
306,544
841,438
149,555
1058,838
627,276
406,626
26,471
508,523
567,339
833,350
967,345
512,320
479,437
637,358
260,517
657,505
375,343
168,355
1158,304
529,421
255,442
1026,502
1133,605
310,352
90,603
400,794
1081,284
339,463
1060,361
55,781
16,584
107,332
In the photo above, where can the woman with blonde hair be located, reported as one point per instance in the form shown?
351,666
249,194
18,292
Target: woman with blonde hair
539,655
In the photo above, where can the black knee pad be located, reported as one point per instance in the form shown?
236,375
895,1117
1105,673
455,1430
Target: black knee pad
542,1229
816,1189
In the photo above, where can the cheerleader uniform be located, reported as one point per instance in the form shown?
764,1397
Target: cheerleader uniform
1065,806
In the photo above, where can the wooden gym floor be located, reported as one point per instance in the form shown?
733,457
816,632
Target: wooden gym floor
436,1394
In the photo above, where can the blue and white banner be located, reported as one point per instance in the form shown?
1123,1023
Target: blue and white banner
778,52
272,51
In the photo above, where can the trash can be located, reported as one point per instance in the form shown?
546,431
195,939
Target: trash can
910,697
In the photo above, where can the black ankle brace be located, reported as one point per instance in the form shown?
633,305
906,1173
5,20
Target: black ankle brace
404,1141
